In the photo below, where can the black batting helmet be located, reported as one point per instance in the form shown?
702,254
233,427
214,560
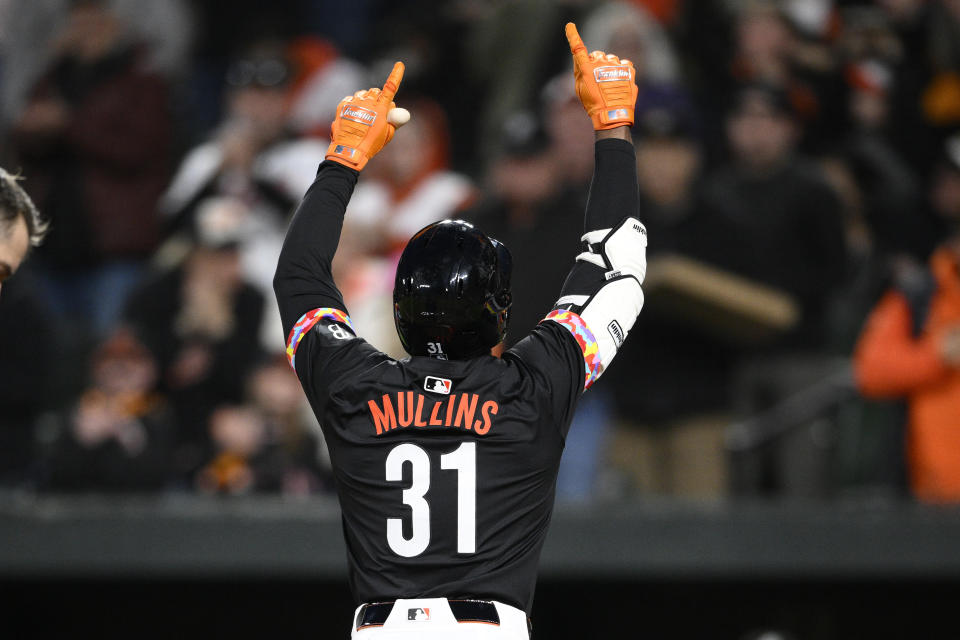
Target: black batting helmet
451,296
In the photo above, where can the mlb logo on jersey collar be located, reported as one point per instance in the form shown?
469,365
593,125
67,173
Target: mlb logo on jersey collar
418,613
437,385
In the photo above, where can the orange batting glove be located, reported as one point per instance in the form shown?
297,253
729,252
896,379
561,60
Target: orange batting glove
365,122
606,85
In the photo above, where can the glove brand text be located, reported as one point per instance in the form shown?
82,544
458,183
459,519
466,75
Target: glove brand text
611,74
359,114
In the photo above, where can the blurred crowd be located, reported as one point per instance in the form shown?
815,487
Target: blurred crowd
799,166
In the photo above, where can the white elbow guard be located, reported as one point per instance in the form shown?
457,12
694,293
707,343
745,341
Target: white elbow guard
601,319
619,251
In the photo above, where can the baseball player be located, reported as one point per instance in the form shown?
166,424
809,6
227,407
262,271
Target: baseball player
446,462
20,225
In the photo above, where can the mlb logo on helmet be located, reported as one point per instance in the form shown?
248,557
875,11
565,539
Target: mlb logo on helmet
358,114
419,613
437,385
611,74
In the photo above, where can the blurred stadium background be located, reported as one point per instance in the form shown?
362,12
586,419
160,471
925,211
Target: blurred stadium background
761,462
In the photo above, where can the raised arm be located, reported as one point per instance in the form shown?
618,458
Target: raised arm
601,297
303,280
303,283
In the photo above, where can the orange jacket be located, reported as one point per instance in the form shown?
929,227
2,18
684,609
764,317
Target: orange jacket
890,362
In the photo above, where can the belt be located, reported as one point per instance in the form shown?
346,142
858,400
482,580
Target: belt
376,613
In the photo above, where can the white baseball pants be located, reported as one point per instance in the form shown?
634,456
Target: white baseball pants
429,618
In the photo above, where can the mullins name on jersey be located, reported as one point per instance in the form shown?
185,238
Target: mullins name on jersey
405,409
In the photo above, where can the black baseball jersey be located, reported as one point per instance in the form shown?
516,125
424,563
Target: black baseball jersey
446,469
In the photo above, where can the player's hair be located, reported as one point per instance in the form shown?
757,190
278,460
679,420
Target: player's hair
15,203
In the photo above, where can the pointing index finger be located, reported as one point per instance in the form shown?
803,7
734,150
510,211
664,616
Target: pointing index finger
577,48
393,82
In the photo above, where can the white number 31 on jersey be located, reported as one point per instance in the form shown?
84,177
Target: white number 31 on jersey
464,460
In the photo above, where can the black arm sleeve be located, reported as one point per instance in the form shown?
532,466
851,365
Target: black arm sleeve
560,355
614,191
303,280
614,195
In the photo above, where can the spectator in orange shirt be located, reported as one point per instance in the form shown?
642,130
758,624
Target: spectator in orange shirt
910,348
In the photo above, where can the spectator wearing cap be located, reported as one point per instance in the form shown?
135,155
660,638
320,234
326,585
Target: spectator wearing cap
536,189
888,189
788,45
669,159
910,348
117,436
202,320
670,385
772,217
253,158
881,200
93,138
523,191
410,186
413,184
323,76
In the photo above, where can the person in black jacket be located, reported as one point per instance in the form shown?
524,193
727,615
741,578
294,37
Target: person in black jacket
771,215
25,343
201,321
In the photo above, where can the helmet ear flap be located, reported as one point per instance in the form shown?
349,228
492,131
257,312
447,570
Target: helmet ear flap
503,297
